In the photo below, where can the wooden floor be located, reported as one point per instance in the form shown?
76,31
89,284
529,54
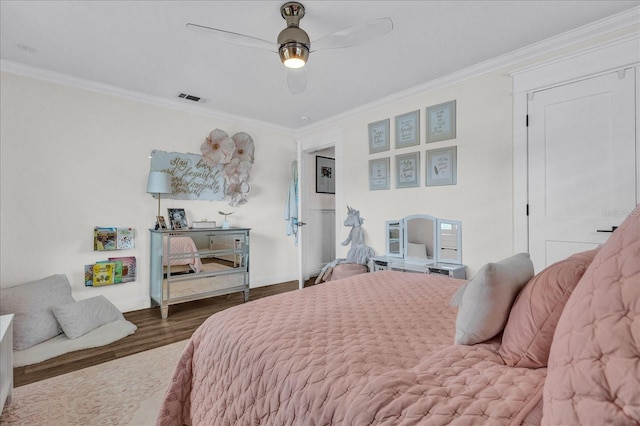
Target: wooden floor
152,332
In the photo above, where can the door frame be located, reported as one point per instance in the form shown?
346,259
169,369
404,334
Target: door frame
308,144
583,64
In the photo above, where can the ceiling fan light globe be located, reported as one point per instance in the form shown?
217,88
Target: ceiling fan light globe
294,55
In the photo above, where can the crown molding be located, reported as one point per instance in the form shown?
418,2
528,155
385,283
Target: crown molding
600,28
585,33
94,86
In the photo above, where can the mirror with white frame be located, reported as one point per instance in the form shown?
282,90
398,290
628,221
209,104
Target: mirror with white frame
420,238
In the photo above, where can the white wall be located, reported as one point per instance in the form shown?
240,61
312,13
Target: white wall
72,159
482,198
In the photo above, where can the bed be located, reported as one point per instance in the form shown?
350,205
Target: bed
378,348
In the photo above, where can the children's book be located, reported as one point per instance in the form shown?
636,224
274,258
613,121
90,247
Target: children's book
103,273
104,238
88,275
117,270
128,267
125,239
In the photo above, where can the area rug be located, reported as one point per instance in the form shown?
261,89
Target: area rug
126,391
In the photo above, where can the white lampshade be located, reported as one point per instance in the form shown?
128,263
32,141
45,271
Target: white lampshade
159,183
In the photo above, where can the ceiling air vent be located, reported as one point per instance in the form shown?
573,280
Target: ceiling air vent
191,97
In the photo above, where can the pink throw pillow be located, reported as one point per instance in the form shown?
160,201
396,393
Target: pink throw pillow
529,331
592,376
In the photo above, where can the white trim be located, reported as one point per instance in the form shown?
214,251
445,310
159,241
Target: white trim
582,64
596,29
94,86
622,52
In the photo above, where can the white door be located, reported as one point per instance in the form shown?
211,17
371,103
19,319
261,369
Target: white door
582,164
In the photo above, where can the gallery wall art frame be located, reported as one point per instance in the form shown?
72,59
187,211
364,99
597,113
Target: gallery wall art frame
408,170
379,174
442,166
441,122
325,175
408,129
379,136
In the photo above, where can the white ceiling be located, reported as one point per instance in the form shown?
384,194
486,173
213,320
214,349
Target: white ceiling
144,47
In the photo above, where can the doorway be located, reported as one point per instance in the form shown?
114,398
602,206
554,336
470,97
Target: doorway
320,216
317,238
582,165
576,151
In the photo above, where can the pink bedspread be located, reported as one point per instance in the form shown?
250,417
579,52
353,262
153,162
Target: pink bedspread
374,348
183,252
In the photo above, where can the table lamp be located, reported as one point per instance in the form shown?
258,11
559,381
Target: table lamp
159,183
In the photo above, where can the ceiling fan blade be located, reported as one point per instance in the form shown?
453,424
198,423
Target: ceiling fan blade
297,80
352,36
234,38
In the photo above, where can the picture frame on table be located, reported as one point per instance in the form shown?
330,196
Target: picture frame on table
379,174
408,129
379,136
178,219
325,175
408,170
162,224
442,167
441,122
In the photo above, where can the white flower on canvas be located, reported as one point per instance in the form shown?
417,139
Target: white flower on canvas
237,171
244,147
238,193
218,148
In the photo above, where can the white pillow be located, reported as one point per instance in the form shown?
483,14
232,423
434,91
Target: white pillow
485,301
31,304
79,318
417,250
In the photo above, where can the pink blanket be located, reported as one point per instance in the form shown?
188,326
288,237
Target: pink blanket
183,252
374,348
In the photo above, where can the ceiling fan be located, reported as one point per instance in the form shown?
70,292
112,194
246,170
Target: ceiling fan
293,44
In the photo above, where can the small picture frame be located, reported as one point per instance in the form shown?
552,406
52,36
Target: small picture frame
408,170
408,129
162,224
442,166
178,219
379,136
379,174
325,175
441,122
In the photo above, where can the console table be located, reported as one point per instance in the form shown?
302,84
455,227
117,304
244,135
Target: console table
195,264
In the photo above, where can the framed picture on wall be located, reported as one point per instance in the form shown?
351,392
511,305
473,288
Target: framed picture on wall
408,170
325,175
379,174
442,166
441,122
178,219
379,136
408,129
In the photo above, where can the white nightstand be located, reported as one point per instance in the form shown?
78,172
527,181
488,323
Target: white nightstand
6,359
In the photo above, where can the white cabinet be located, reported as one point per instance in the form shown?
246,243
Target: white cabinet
197,263
6,359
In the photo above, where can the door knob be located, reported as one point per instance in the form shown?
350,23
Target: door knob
302,223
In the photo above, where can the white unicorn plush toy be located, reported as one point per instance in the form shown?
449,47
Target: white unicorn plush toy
358,253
